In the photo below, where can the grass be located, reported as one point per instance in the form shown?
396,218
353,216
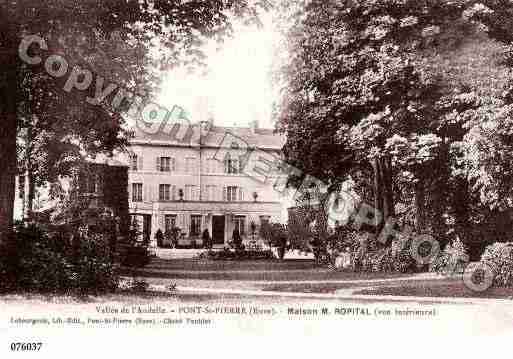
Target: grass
128,298
323,288
436,290
219,265
263,276
333,287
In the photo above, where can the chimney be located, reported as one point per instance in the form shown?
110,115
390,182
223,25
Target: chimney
206,126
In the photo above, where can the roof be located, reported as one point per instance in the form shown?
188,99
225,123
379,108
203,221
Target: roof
214,136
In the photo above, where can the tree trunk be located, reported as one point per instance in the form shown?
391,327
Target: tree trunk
8,106
438,226
378,193
383,191
30,172
31,192
420,207
388,205
462,209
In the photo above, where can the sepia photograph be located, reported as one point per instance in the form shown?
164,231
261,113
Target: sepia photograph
240,178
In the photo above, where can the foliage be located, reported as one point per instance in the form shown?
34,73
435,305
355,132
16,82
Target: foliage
55,261
134,285
275,234
422,90
396,258
116,40
451,260
227,254
134,253
499,256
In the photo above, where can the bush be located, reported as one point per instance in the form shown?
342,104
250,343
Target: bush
132,252
227,254
54,262
451,260
379,261
499,256
134,256
135,286
396,258
93,266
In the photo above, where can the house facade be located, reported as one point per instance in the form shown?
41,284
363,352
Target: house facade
215,178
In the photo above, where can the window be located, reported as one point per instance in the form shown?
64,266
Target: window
189,165
210,193
231,194
231,165
137,192
191,193
164,192
133,162
240,224
195,225
165,164
169,222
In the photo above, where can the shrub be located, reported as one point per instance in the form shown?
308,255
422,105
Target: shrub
134,256
375,261
227,254
134,285
132,252
499,256
403,262
396,258
451,260
368,256
93,267
55,261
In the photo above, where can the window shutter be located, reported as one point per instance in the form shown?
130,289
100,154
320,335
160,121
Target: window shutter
130,192
173,193
144,193
173,164
140,163
158,164
242,164
224,194
241,194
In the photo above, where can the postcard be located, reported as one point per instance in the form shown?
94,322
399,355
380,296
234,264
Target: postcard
248,178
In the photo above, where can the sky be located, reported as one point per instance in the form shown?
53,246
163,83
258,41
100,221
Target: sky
237,87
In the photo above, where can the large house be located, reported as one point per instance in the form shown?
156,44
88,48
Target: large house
214,178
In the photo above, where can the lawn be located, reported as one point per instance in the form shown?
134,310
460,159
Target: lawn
126,298
434,288
262,270
457,289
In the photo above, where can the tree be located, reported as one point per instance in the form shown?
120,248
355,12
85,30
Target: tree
111,38
403,92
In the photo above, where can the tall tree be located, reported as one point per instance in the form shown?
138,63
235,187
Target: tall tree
111,38
411,89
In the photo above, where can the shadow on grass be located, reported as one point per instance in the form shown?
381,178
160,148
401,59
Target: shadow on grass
452,290
317,274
